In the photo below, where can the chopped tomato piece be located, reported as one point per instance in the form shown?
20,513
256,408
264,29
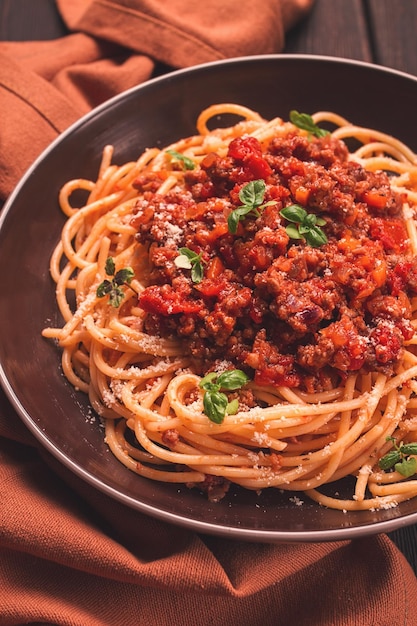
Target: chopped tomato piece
163,300
379,273
348,242
211,287
206,237
392,234
301,195
215,268
375,199
248,151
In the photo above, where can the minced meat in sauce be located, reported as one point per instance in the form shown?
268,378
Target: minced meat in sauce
283,311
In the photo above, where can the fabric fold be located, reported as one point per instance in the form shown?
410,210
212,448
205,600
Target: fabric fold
111,46
74,548
181,33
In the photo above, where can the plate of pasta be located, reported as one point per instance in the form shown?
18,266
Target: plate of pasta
218,284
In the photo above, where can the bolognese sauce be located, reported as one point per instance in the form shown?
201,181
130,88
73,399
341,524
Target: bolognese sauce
240,307
287,312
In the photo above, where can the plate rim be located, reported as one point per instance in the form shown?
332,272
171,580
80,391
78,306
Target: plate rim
248,534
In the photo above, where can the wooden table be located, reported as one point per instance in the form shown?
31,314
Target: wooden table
375,31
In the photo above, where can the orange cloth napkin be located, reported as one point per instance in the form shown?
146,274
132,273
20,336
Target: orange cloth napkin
68,554
113,45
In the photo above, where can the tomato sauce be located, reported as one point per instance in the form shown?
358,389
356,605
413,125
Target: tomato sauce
285,312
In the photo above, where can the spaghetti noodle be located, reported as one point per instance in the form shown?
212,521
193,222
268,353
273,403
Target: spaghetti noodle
307,294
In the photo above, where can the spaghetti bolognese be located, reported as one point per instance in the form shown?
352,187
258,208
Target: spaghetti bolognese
240,307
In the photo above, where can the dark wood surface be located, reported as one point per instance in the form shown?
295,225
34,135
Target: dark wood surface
374,31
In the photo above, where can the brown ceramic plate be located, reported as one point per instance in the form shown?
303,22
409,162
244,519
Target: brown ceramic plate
157,113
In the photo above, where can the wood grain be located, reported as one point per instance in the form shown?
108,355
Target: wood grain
22,20
393,27
333,28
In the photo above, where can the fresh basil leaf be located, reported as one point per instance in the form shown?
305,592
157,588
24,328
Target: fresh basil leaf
320,221
235,217
292,231
208,380
409,448
306,122
116,297
197,272
269,203
407,467
190,254
183,262
389,459
253,193
315,237
294,213
215,404
232,222
209,386
188,259
124,275
259,187
310,220
104,288
307,228
251,196
303,229
110,266
121,277
232,379
243,210
186,161
232,407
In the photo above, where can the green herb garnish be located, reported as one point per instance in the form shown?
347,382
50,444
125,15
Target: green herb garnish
306,122
400,458
113,287
186,162
252,199
215,402
304,225
190,260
